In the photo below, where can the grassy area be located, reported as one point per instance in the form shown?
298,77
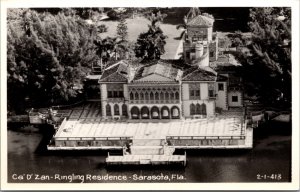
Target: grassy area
140,24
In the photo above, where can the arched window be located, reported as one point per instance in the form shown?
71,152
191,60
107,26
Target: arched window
172,96
131,96
165,113
156,96
116,109
151,96
167,96
135,113
136,96
142,96
155,112
145,112
175,112
177,95
146,96
108,110
203,109
198,109
192,109
161,96
124,110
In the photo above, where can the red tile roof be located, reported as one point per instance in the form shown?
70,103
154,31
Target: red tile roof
115,73
164,68
199,74
201,20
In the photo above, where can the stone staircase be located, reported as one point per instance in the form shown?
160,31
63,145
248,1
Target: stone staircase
154,151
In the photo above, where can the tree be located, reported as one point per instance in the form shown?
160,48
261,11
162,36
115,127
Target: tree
122,32
150,45
193,12
104,48
48,57
267,67
101,28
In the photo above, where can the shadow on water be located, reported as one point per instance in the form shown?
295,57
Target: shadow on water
272,128
118,168
213,152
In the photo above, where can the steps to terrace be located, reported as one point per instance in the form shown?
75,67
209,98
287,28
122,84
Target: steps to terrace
144,151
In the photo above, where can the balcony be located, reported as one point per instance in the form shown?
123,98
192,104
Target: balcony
154,101
116,99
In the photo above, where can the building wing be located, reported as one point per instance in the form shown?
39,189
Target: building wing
117,72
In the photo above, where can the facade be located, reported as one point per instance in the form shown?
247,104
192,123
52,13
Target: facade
173,89
191,103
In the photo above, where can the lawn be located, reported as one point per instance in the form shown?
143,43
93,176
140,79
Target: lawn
138,25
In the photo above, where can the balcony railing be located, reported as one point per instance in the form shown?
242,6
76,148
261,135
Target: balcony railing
154,101
117,99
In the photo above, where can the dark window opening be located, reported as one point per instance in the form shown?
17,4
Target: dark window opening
116,109
221,87
235,99
211,93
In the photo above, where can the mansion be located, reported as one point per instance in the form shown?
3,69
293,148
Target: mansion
199,85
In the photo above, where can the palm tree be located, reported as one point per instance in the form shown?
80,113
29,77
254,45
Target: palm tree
150,45
104,49
193,12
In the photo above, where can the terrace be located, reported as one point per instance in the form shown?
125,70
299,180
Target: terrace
99,133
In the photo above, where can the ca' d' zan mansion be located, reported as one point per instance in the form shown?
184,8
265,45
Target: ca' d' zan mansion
193,102
197,86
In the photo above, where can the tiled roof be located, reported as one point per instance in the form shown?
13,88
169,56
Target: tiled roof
201,20
115,73
225,63
199,74
165,68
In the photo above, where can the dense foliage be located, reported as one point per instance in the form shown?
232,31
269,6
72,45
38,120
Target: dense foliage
122,30
48,56
150,45
267,63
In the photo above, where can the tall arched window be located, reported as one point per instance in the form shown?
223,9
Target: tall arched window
198,109
146,96
151,96
177,95
135,113
108,110
131,96
175,112
154,112
192,109
124,110
145,112
167,96
165,112
203,109
142,96
161,96
172,96
156,96
116,109
136,96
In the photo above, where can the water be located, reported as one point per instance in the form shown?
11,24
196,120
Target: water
271,155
